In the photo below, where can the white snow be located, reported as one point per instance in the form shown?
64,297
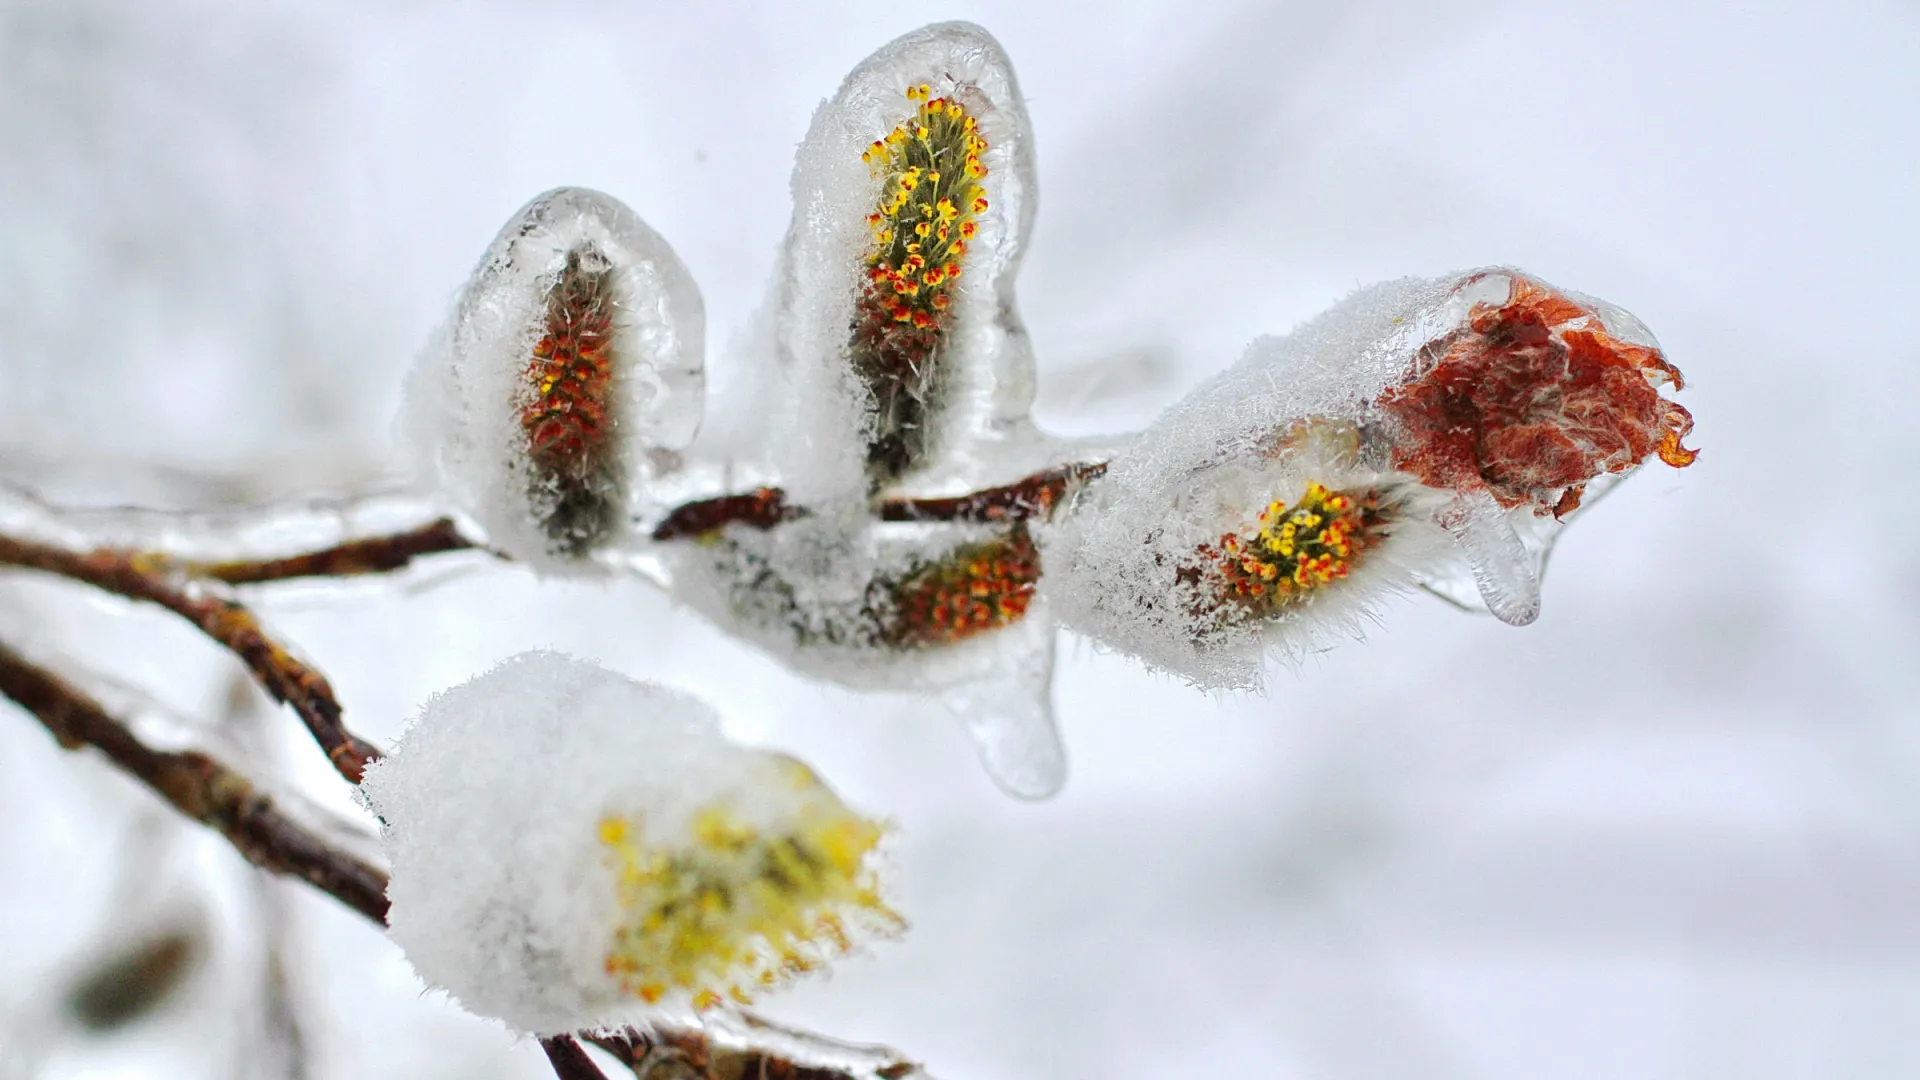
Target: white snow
494,804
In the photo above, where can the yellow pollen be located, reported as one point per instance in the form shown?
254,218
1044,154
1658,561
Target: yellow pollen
735,903
926,208
1297,549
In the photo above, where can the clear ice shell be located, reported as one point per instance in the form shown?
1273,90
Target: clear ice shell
819,434
997,683
468,385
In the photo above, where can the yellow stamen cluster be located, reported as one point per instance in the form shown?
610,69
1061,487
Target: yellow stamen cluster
737,908
1300,548
929,169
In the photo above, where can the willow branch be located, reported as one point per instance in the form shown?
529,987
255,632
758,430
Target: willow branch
200,787
569,1059
149,579
1034,497
762,508
372,555
744,1045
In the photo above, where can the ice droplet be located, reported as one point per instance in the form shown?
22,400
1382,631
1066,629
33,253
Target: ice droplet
1009,717
1505,572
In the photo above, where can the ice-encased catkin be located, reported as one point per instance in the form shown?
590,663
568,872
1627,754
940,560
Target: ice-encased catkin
574,355
898,334
1431,432
923,608
572,848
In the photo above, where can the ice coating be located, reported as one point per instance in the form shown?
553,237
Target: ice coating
873,607
574,355
947,609
1422,432
572,848
898,335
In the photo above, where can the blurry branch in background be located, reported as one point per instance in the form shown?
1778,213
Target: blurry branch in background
208,791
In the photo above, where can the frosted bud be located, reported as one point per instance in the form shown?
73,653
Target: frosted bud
572,849
1422,432
573,361
913,198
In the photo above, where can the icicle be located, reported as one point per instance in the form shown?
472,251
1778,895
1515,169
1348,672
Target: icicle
1009,716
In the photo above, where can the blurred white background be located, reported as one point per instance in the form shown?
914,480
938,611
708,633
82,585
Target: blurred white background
1671,830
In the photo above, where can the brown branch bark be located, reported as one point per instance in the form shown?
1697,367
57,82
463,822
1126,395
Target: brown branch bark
569,1059
698,1055
198,786
215,795
147,578
763,508
374,555
1034,497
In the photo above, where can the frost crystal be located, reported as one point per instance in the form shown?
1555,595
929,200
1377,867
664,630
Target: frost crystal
572,849
1430,432
573,359
913,198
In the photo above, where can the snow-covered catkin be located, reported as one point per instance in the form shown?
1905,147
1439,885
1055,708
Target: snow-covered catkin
572,848
1423,432
573,359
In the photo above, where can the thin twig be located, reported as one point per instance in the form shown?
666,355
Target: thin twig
198,786
1034,497
372,555
570,1060
745,1047
762,508
146,578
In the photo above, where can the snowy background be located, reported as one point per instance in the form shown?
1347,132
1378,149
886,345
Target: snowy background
1671,830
